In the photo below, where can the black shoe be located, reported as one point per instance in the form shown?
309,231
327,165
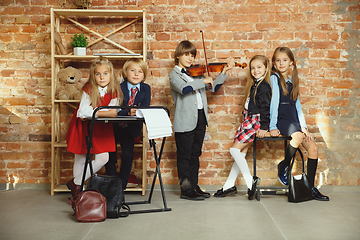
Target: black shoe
318,196
201,192
222,193
191,194
251,192
283,173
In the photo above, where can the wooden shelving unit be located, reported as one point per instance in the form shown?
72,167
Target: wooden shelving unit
58,16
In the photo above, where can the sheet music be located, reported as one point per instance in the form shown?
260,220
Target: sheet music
157,122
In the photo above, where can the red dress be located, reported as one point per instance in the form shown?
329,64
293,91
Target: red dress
103,135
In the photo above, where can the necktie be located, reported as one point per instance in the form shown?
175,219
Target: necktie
131,101
132,97
289,85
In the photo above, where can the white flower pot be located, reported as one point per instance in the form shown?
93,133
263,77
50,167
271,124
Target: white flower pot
79,51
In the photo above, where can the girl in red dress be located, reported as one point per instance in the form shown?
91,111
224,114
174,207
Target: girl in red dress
102,89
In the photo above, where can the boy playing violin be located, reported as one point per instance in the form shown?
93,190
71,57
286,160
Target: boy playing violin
190,117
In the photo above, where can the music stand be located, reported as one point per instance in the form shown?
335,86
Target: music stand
152,144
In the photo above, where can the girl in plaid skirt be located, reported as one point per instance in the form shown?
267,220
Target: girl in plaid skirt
256,113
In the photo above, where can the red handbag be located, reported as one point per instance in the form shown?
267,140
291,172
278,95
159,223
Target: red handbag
89,206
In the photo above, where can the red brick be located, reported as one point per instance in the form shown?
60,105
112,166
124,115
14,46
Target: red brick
17,165
302,35
14,10
349,74
269,26
332,64
9,29
333,54
13,146
338,103
162,37
7,73
345,84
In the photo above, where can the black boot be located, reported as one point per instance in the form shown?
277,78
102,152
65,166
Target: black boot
284,165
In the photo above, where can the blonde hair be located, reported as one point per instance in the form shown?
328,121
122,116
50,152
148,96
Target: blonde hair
137,61
250,79
295,93
113,86
184,47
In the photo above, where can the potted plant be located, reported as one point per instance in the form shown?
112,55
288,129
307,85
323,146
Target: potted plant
79,43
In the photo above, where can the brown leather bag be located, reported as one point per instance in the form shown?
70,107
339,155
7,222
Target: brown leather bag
89,206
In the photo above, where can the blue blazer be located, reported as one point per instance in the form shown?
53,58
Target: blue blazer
142,98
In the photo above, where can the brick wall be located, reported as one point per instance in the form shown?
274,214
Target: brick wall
324,35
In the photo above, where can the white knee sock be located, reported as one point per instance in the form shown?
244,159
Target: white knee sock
241,163
99,161
234,173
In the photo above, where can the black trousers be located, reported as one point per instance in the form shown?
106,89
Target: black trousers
126,140
189,146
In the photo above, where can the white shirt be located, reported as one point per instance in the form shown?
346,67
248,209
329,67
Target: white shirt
85,108
248,99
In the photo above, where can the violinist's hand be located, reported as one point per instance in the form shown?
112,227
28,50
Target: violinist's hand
208,80
229,65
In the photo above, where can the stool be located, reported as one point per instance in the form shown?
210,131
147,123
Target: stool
269,190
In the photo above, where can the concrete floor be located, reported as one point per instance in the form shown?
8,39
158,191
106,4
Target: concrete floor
34,214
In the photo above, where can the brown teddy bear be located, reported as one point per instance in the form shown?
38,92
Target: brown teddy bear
69,85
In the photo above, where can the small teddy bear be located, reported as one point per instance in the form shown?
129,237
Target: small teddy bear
69,85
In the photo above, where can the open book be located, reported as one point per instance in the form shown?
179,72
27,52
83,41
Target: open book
157,122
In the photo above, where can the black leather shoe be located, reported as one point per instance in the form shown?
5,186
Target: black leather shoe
251,192
201,192
222,193
318,196
191,194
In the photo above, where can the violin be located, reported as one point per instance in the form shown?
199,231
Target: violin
198,70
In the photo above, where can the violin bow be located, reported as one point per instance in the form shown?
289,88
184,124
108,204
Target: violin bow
202,37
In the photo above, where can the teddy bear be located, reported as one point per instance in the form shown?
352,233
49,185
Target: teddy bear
69,85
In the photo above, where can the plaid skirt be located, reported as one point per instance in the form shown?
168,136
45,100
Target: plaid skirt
247,130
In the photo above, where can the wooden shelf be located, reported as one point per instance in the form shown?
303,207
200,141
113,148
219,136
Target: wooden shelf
70,16
90,57
98,12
